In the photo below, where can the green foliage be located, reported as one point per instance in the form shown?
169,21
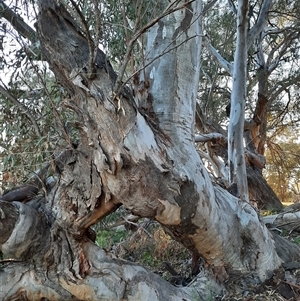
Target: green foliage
147,258
297,240
33,119
106,238
147,244
23,149
152,246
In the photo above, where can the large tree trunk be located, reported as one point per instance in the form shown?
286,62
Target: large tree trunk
144,159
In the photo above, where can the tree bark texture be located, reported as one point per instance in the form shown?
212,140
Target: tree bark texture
236,153
143,158
258,132
254,128
217,143
260,191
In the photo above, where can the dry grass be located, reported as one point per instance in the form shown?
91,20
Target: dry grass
151,246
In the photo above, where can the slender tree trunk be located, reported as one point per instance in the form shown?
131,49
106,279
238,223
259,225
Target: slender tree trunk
236,152
259,132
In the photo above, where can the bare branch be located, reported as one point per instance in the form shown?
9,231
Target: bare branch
209,137
282,86
232,6
208,6
223,63
260,23
251,158
270,31
281,52
17,22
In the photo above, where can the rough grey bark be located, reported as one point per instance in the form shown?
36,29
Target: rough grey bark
143,158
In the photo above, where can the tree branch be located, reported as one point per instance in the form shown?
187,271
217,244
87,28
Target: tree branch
137,34
232,7
236,151
25,229
23,108
217,138
17,22
208,6
210,137
260,23
223,63
283,45
283,85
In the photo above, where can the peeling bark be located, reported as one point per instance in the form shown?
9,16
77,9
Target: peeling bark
108,279
145,160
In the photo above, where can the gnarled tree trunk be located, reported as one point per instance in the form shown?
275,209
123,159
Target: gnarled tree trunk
141,156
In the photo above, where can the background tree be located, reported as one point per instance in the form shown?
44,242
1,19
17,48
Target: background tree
124,148
283,174
261,86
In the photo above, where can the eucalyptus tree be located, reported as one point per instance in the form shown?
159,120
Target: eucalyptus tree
133,148
271,82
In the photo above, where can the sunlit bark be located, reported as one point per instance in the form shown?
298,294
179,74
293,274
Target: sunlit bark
143,158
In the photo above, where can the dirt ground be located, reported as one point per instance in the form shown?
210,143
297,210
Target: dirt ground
145,242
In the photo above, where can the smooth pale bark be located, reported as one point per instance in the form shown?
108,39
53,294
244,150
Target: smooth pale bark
222,62
260,23
236,153
173,106
144,159
257,126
